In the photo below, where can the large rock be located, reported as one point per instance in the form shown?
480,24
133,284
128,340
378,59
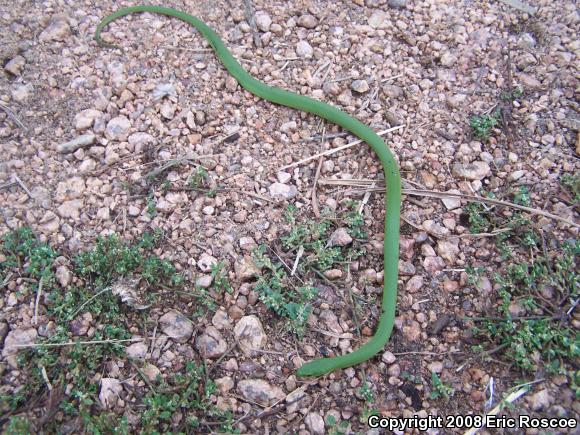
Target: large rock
176,326
211,344
250,334
471,171
260,391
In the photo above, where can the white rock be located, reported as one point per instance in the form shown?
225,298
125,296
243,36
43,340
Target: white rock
21,93
15,65
307,21
452,203
204,281
283,191
57,30
389,357
136,350
377,19
414,284
63,276
206,262
360,86
71,209
541,400
151,372
246,269
304,49
283,177
448,249
167,110
263,21
221,320
86,118
118,128
71,188
15,338
448,59
110,390
315,423
471,171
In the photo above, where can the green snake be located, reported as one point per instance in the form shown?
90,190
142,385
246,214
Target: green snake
392,178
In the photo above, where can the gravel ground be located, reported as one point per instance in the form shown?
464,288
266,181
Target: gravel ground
426,66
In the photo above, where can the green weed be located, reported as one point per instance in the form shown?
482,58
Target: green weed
482,124
439,389
198,178
220,279
336,428
75,366
278,293
572,185
189,393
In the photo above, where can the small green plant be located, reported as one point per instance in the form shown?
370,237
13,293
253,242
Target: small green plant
198,178
482,124
151,206
336,428
411,377
513,95
572,185
76,365
18,425
188,392
277,292
220,279
439,389
366,392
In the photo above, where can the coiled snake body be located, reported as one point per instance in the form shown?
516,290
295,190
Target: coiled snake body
393,180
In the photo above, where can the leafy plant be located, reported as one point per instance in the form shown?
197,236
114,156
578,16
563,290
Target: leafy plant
277,293
439,389
151,206
197,179
220,279
336,428
482,124
572,185
189,393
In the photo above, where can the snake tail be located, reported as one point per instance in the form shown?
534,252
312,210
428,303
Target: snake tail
332,114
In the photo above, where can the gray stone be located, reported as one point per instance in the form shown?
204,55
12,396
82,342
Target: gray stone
304,49
340,237
250,334
314,423
176,326
118,128
260,391
360,86
471,171
307,21
211,343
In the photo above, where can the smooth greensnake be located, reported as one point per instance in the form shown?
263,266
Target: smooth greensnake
392,178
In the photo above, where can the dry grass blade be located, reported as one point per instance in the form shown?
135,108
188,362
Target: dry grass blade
335,150
13,116
442,195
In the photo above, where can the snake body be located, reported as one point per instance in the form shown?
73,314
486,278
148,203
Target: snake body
392,178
